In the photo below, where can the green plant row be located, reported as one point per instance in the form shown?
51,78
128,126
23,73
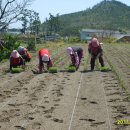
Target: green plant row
121,81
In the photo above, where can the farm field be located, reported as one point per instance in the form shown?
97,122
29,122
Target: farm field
82,100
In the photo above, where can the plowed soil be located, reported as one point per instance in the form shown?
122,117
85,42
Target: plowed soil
82,100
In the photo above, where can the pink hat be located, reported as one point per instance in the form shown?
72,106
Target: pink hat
95,42
70,50
15,54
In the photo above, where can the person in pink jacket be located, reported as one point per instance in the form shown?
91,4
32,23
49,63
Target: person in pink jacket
76,54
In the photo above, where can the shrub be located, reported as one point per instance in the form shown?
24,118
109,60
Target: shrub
31,45
10,43
74,39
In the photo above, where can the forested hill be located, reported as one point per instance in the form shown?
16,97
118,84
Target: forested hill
108,14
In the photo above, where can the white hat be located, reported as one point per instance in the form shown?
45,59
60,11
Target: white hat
45,58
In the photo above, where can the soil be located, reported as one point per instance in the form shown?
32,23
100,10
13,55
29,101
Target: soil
82,100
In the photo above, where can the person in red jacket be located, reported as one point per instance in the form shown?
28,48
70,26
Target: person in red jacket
96,51
44,58
25,53
16,60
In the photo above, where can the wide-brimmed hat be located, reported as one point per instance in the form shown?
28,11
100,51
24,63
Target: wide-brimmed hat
70,50
45,57
15,54
95,42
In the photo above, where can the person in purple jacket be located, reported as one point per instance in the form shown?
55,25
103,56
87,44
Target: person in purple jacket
76,54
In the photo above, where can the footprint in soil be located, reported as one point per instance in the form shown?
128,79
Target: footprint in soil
48,116
49,110
7,92
90,120
115,93
56,105
59,85
1,95
57,120
12,104
59,94
83,98
36,125
20,82
25,88
108,89
20,127
17,89
114,100
57,100
63,81
93,102
31,105
118,117
6,119
31,118
98,123
46,101
43,107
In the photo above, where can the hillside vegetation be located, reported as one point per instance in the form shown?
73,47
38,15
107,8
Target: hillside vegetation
105,15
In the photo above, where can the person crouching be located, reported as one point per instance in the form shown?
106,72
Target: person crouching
25,53
76,54
96,51
44,58
16,60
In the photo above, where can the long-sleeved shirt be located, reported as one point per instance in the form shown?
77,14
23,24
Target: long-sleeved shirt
94,50
78,53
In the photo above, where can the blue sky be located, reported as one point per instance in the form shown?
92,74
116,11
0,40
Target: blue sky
44,7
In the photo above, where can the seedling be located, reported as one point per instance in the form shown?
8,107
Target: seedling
53,70
105,69
71,68
17,70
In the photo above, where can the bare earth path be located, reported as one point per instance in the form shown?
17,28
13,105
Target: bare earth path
63,101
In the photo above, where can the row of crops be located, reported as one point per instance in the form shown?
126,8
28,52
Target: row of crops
118,56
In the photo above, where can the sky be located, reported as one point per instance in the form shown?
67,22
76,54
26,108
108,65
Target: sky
44,7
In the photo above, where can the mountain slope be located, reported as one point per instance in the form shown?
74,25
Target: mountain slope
107,14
